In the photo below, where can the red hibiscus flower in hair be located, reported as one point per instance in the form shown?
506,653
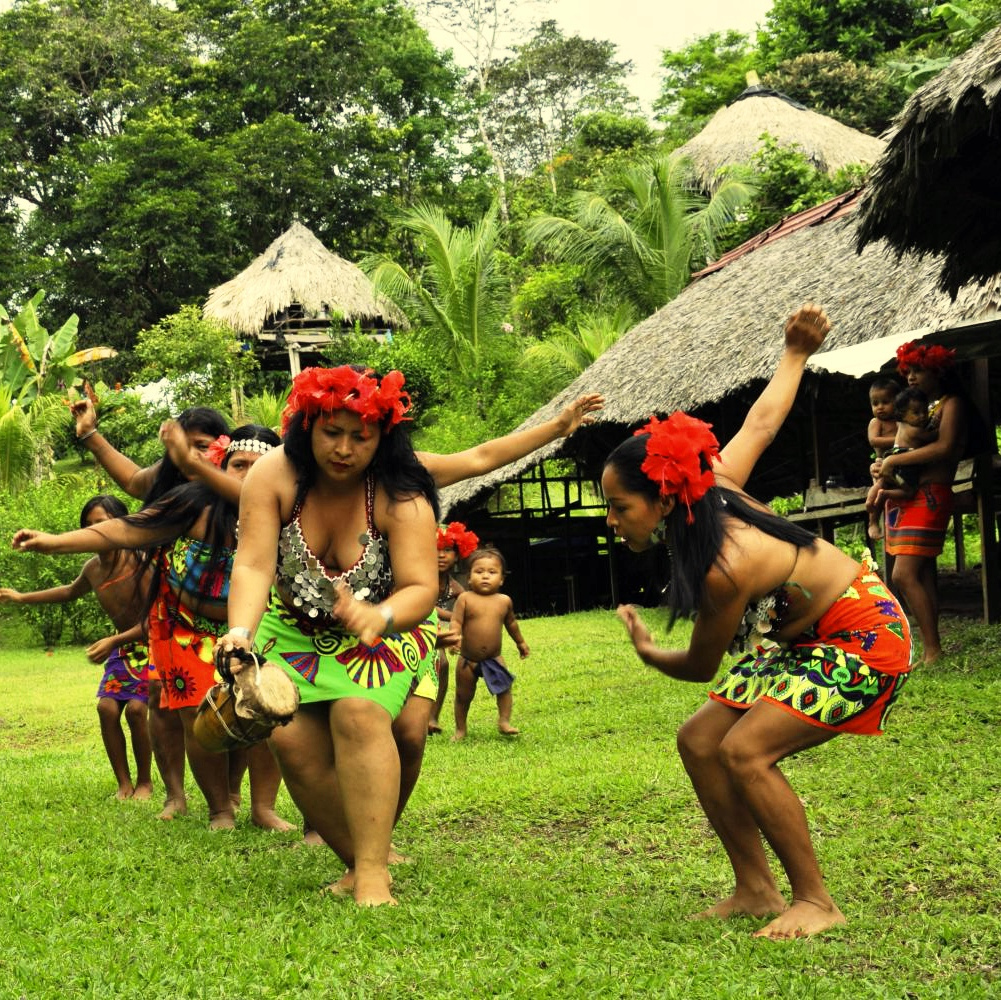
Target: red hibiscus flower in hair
457,535
928,357
216,452
679,456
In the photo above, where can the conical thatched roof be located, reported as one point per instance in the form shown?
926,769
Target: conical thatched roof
298,269
725,331
733,136
937,188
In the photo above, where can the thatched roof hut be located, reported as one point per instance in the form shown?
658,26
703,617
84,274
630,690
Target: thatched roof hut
709,349
298,285
936,188
733,136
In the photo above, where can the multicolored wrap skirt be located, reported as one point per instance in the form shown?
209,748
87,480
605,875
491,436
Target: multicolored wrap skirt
844,674
126,673
917,527
327,664
181,647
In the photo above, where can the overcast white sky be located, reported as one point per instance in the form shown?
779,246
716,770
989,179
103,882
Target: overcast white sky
642,29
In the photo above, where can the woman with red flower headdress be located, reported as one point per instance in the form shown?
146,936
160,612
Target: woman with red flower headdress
455,542
916,527
335,578
836,652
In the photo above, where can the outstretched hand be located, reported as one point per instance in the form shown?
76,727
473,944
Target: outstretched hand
27,540
178,447
578,413
806,329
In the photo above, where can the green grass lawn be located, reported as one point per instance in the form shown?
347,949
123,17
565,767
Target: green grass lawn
561,863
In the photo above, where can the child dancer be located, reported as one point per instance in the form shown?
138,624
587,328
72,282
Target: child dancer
112,576
455,542
913,430
480,614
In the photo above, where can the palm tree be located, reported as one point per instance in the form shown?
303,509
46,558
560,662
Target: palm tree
458,293
648,250
26,438
561,358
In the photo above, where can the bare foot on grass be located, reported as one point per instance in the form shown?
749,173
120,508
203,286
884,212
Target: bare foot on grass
222,820
268,819
459,735
744,904
506,729
143,792
312,839
345,886
433,727
802,919
173,807
396,858
373,889
124,792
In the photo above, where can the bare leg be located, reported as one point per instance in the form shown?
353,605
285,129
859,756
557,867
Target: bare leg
109,714
439,702
915,578
136,717
465,689
237,768
410,730
304,750
211,771
699,739
368,771
750,752
505,702
265,780
166,733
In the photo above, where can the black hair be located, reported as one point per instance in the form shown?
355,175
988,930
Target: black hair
695,548
884,384
394,465
906,398
111,506
201,419
488,550
251,432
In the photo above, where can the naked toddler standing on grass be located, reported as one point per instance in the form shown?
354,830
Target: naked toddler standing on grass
480,615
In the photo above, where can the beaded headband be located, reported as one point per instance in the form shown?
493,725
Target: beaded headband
457,535
930,357
222,446
324,390
679,457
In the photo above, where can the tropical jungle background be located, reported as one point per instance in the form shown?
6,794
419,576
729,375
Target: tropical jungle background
508,193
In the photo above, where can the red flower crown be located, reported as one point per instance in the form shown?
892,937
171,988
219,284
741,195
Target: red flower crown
324,390
676,451
929,357
457,535
216,452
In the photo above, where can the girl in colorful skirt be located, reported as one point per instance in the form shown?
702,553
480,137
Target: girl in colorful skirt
837,648
191,532
125,684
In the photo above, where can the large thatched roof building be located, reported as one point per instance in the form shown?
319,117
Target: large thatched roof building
709,350
295,293
937,188
733,136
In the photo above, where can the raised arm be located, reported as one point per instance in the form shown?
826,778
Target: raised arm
194,466
448,469
804,333
257,549
132,478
